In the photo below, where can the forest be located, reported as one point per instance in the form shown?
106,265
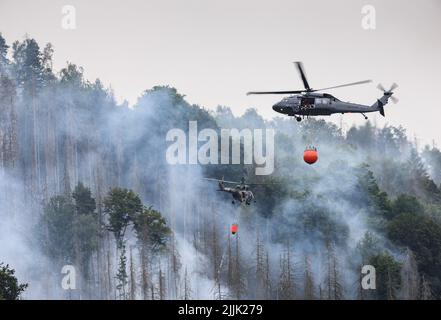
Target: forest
84,182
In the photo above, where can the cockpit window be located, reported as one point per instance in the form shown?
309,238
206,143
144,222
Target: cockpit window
327,95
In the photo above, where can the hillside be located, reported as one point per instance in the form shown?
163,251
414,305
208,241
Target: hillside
84,182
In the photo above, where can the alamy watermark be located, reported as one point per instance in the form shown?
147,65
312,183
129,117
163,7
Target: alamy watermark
68,17
369,280
69,280
251,141
368,19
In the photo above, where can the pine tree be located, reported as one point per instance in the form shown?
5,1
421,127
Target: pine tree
388,277
409,277
8,124
145,275
30,76
263,288
432,156
109,286
57,231
259,268
86,232
162,289
287,287
419,180
10,288
309,293
121,274
230,264
28,64
122,206
4,62
132,278
238,285
46,59
334,287
187,285
175,266
425,290
153,236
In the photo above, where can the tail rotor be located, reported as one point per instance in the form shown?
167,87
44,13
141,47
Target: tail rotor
389,92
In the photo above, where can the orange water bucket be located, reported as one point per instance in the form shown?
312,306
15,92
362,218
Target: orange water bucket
310,155
234,228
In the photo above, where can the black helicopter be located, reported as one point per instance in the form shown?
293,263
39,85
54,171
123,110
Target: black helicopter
308,102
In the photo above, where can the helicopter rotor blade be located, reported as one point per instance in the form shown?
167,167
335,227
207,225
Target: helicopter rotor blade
389,92
394,99
262,184
301,71
220,180
393,86
344,85
302,75
276,92
380,87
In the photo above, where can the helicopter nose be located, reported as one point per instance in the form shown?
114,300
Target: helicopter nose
279,108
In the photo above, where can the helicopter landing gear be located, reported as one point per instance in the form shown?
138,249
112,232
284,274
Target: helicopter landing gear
298,119
365,117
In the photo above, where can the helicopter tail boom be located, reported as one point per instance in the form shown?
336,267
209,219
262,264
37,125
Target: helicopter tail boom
379,104
381,109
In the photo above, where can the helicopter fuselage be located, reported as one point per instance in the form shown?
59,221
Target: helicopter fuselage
318,104
240,193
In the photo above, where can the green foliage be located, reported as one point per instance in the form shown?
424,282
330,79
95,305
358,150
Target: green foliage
432,157
374,198
86,226
388,278
251,119
422,235
171,110
122,206
406,204
27,61
419,182
10,289
151,229
3,51
310,222
368,247
86,230
363,136
72,74
58,231
319,130
84,203
319,222
69,226
272,191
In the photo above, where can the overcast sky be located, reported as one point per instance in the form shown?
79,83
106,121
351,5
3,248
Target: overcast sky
215,51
